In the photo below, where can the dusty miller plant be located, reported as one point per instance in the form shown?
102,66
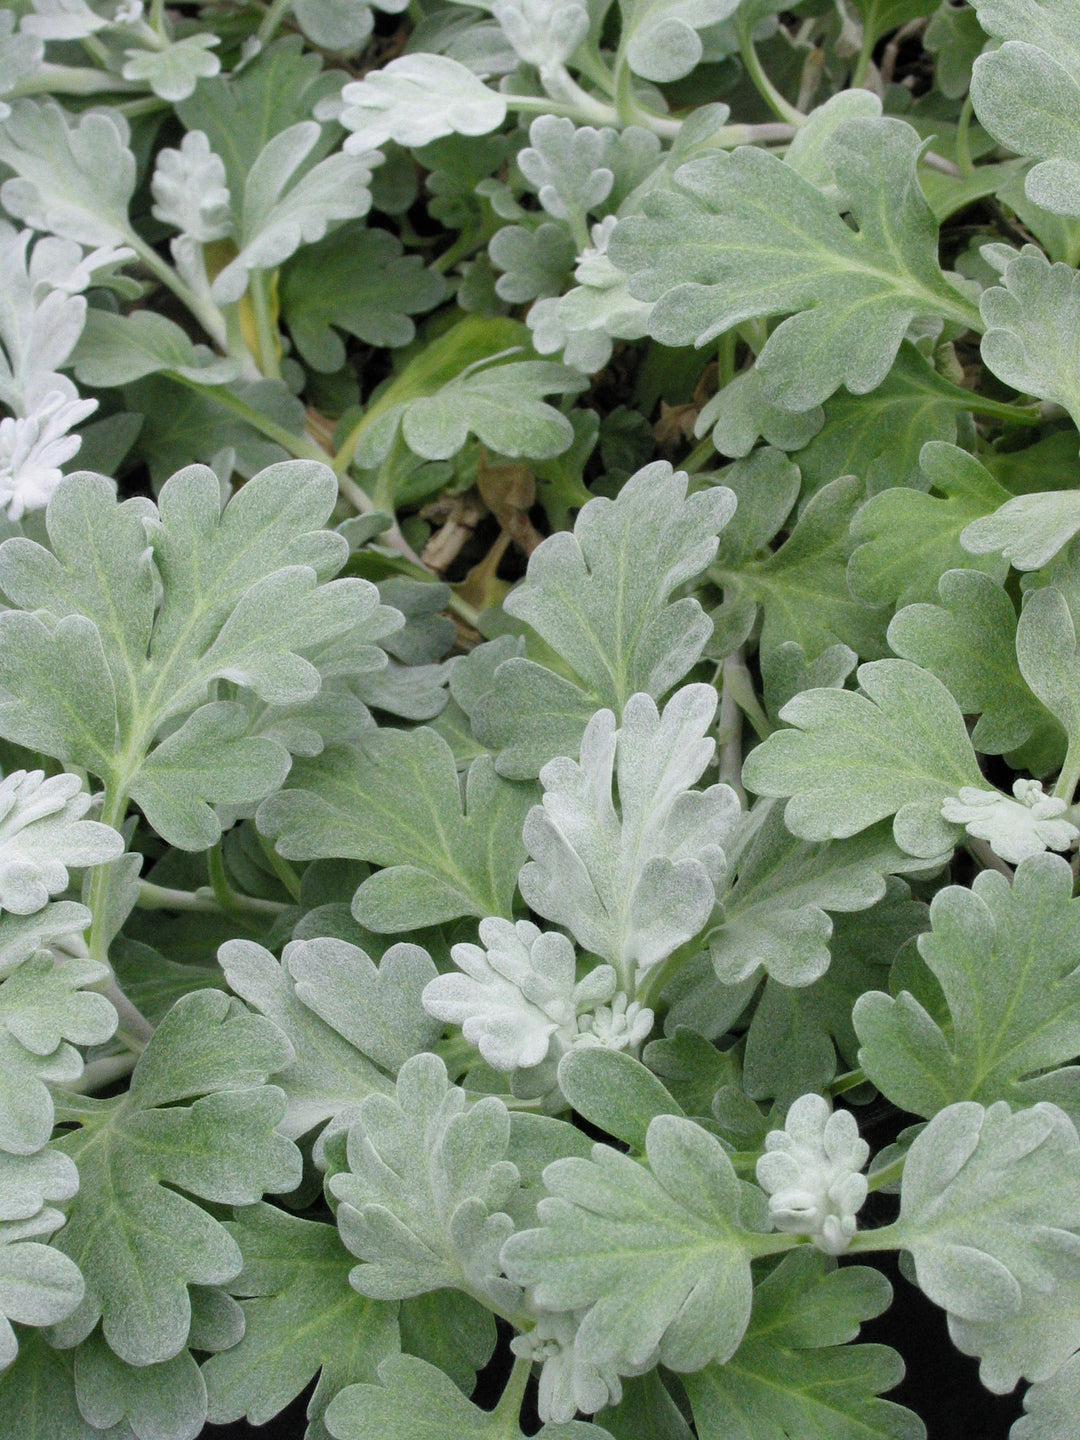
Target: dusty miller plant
541,574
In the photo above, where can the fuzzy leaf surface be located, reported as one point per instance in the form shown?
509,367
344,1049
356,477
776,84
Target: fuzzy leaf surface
442,857
600,598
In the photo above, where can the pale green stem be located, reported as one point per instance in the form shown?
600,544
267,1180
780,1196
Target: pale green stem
703,454
272,19
281,867
866,54
850,1080
157,18
729,732
885,1237
987,858
133,1028
209,317
781,108
99,1073
508,1411
1069,778
963,138
75,80
363,505
299,446
887,1174
737,677
204,901
259,289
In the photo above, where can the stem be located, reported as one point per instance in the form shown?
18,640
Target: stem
963,137
299,446
729,731
363,505
509,1407
281,868
157,18
781,108
134,1029
986,857
701,455
885,1237
851,1080
887,1174
272,19
738,679
265,328
99,1073
204,901
209,318
1069,778
862,64
75,80
463,246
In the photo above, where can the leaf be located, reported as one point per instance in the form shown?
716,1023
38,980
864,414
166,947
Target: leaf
442,859
796,1033
75,180
898,747
796,1376
879,436
988,1209
739,414
416,1401
330,1075
29,1182
1006,958
45,1011
38,1394
600,598
423,1202
969,643
1046,651
1049,1407
660,39
166,1401
277,217
301,1318
38,1285
416,99
1031,318
632,885
774,914
241,601
535,262
609,1088
655,1257
744,235
136,1237
116,349
174,70
1028,530
42,832
1040,57
910,539
358,281
802,586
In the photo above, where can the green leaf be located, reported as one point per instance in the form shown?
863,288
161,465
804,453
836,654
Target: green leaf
774,915
416,99
415,1401
42,833
611,1089
796,1033
29,1182
655,1257
331,1074
897,747
1040,58
38,1394
1050,1406
802,587
174,70
242,112
166,1401
134,1233
288,203
989,1207
38,1285
910,539
969,643
632,885
535,262
1046,651
301,1318
443,859
1031,317
1028,530
45,1011
423,1202
1006,958
600,598
796,1376
116,349
745,235
879,436
75,180
359,281
660,39
241,601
